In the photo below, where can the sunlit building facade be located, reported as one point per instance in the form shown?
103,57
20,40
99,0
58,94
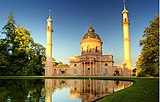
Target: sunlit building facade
91,61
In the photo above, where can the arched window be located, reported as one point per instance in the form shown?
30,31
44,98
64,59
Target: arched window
96,49
89,71
82,50
87,48
125,20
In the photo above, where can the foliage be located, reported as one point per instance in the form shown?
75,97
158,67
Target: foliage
58,63
54,62
61,64
21,90
20,55
148,61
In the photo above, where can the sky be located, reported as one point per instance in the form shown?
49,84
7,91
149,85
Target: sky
71,20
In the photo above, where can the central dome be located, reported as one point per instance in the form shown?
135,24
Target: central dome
91,34
91,43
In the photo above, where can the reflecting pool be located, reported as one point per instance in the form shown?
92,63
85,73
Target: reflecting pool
57,90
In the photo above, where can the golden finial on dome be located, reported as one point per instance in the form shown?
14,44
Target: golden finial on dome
91,29
90,23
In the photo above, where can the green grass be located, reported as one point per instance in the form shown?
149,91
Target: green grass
143,89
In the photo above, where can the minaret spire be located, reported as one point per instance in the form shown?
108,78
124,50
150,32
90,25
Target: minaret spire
124,3
49,13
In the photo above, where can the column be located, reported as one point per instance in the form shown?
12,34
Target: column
84,86
100,68
96,86
96,68
84,69
93,69
90,68
93,88
90,89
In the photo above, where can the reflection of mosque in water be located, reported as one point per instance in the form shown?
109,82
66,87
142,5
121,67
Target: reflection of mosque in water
86,90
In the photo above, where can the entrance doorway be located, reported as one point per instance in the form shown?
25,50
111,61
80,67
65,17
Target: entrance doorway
75,71
88,71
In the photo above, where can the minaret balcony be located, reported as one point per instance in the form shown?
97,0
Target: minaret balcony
125,23
49,30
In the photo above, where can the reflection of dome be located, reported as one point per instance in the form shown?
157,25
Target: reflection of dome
91,34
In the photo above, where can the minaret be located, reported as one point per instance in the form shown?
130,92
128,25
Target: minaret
127,59
49,30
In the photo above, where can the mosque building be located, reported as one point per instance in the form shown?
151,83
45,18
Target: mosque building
91,61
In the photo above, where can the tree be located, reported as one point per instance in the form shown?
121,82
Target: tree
60,63
6,45
54,62
20,54
148,61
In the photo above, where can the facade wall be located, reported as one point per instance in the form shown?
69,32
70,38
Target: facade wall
91,65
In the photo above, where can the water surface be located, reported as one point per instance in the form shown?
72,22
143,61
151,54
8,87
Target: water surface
57,90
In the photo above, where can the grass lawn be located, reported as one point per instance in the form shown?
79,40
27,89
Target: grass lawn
143,89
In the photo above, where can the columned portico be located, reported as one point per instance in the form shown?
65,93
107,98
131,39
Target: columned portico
88,67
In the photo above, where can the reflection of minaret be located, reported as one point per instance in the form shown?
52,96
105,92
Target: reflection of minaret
126,36
48,89
49,30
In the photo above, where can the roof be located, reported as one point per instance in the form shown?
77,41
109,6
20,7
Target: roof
91,34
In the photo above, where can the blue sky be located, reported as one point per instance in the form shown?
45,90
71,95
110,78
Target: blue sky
71,20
